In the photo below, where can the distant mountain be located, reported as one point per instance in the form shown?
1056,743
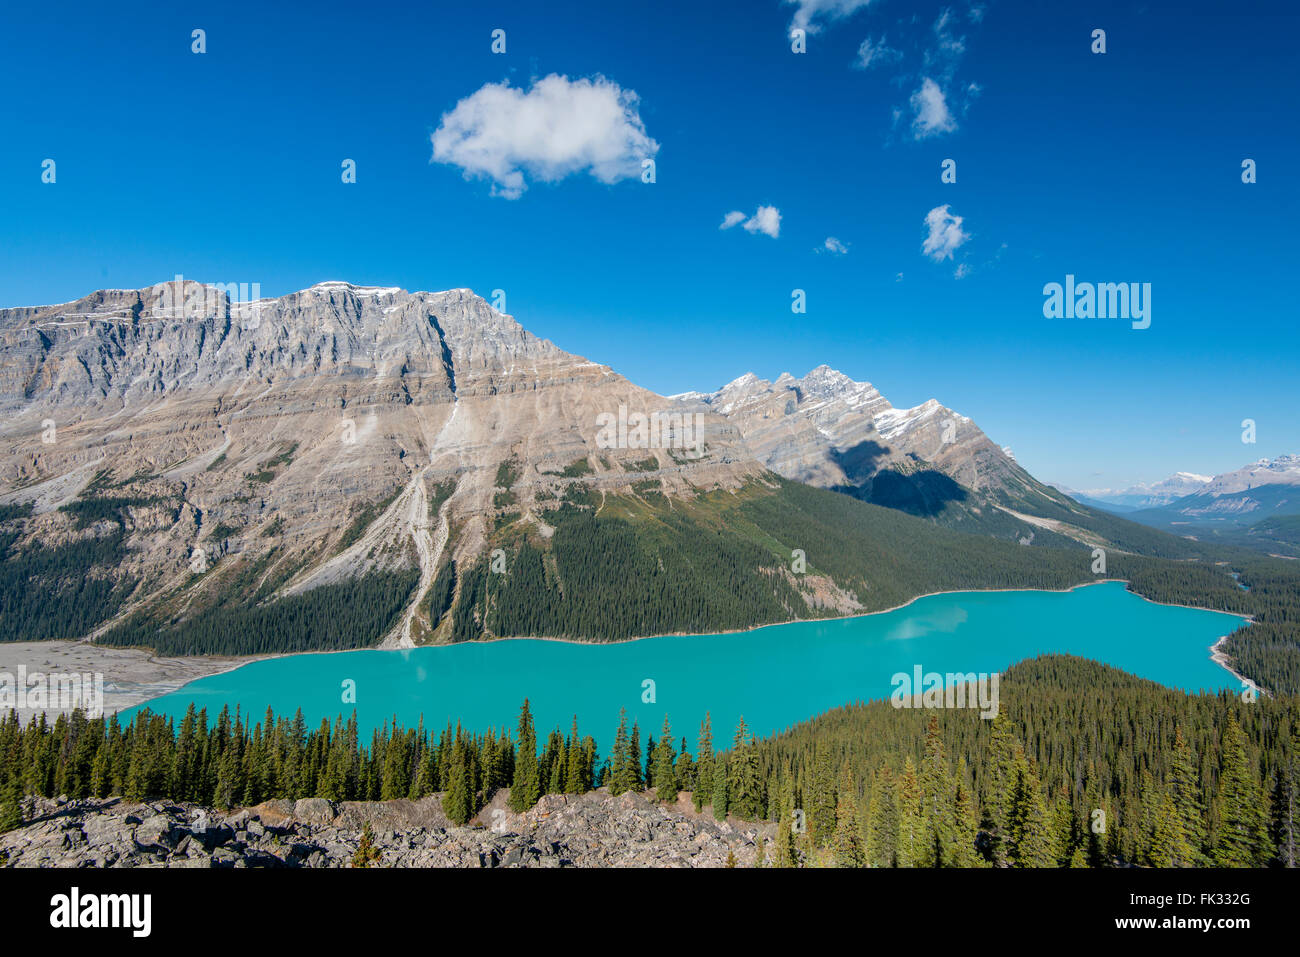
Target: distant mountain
1143,495
1283,470
1234,507
1084,499
828,430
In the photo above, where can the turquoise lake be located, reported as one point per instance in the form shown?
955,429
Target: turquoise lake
775,676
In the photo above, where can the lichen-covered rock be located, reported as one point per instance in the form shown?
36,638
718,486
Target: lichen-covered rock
588,830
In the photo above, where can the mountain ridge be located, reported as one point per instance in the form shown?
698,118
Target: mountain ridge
353,465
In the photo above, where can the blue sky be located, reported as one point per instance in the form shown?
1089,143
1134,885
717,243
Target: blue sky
1119,167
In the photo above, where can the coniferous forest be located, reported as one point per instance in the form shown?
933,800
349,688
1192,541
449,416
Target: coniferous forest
1085,766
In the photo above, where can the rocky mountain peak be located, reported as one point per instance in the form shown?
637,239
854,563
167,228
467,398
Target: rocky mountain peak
330,432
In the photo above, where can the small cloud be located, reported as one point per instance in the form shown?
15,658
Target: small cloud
766,220
833,245
898,278
948,50
556,128
931,109
976,13
811,11
945,235
874,53
962,271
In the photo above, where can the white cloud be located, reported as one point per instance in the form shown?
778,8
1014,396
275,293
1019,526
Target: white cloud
943,57
931,109
875,53
945,234
766,220
810,11
557,128
962,271
833,245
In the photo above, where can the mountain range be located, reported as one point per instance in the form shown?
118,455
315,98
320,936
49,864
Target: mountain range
1257,506
348,466
1144,495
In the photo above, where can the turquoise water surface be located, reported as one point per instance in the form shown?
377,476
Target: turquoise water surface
775,676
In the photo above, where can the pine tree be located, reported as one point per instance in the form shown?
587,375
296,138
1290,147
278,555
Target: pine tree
366,852
684,769
1283,825
883,821
1062,829
911,831
719,788
965,852
665,777
554,763
1000,761
395,784
101,772
634,759
1240,832
820,797
526,787
937,801
846,844
1183,785
458,802
576,777
625,760
745,783
1169,847
1027,825
704,765
11,803
784,854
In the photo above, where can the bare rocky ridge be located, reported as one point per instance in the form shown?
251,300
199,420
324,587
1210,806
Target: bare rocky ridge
825,429
272,426
589,830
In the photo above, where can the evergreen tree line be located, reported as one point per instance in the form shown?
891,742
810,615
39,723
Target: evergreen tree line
354,613
48,592
1084,766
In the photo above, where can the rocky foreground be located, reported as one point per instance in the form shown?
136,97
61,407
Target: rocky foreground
588,830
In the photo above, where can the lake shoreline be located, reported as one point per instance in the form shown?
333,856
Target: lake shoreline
775,677
138,676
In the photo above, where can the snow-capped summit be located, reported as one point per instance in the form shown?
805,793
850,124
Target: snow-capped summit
1152,494
1283,470
829,429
